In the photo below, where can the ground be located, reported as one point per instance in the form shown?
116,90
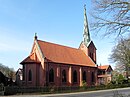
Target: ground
101,93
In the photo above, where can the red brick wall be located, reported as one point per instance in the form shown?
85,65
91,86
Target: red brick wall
31,67
39,78
58,68
35,75
92,50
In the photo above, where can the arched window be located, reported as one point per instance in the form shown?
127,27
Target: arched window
63,76
92,77
30,75
23,72
84,76
91,55
51,75
75,76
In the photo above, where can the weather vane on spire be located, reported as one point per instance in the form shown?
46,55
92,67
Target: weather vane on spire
35,36
84,6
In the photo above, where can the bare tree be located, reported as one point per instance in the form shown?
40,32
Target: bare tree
121,55
111,15
8,72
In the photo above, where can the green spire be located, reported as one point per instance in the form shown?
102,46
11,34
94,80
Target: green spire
86,35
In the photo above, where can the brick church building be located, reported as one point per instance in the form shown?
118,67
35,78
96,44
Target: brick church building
51,64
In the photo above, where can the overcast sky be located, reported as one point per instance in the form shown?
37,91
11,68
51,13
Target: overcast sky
57,21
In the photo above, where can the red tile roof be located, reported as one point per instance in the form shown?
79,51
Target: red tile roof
105,67
29,59
63,54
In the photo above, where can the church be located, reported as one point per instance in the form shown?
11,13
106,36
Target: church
51,64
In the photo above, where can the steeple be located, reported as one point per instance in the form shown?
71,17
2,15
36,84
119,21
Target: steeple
86,35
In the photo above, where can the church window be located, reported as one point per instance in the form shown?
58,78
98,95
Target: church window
92,77
30,75
91,55
23,72
84,76
75,76
63,76
51,75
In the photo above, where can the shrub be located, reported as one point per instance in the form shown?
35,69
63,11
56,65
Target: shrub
84,85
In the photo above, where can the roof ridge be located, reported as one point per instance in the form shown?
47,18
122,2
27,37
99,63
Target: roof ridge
105,65
59,44
64,54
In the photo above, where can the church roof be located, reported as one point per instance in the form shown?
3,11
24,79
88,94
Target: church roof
63,54
104,67
29,59
91,42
